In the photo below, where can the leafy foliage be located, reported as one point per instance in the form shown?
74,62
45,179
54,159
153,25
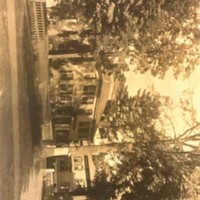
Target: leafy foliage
146,174
132,115
154,29
151,170
65,9
158,35
156,167
103,189
180,120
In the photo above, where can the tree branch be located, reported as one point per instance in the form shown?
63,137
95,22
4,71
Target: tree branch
188,130
190,145
171,122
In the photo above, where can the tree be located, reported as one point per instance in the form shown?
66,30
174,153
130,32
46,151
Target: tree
157,35
152,169
162,34
180,120
145,173
131,115
156,166
103,189
67,9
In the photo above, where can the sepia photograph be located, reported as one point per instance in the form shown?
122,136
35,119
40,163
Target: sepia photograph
100,99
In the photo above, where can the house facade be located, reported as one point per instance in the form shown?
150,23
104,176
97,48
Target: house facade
78,89
74,97
71,173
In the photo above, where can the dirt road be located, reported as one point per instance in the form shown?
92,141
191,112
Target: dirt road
19,115
6,140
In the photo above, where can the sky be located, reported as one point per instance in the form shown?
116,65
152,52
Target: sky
169,86
50,3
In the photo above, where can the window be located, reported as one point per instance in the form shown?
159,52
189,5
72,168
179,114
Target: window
62,120
62,112
83,133
78,167
65,186
84,130
84,124
62,133
64,165
78,159
87,100
66,89
66,75
69,88
65,111
62,140
91,89
65,98
62,136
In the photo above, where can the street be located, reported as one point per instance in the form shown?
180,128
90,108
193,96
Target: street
19,112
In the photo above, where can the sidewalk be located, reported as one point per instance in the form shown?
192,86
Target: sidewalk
14,87
34,190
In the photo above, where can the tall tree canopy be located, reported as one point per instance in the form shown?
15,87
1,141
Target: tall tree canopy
146,173
149,115
131,115
154,166
158,34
